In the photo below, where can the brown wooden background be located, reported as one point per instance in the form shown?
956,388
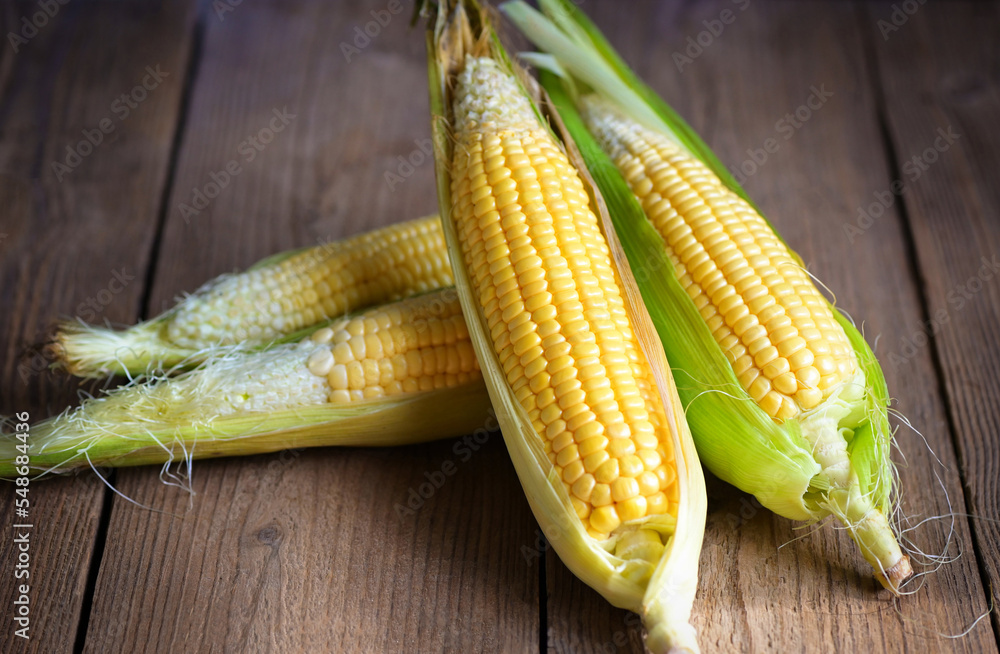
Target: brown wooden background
303,551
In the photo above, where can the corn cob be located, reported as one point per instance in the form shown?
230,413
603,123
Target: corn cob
277,297
379,377
545,281
606,463
739,307
764,311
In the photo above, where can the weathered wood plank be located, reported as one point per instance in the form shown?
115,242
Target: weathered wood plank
311,554
431,581
74,241
816,593
942,101
307,551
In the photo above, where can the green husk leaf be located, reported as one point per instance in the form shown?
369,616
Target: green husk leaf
871,445
566,13
113,436
591,58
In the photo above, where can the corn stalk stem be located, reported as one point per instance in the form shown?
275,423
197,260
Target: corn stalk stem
864,521
870,529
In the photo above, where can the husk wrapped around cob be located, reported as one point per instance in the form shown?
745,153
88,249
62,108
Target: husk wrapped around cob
395,374
584,397
273,299
784,397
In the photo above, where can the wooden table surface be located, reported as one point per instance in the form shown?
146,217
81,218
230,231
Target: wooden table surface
822,105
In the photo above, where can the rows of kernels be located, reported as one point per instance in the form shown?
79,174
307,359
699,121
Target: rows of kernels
834,358
786,349
273,380
420,344
543,274
316,285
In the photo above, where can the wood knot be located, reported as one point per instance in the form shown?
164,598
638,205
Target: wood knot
966,87
269,535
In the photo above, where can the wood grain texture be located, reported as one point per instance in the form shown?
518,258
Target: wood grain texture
71,243
311,555
307,551
310,550
814,593
939,74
